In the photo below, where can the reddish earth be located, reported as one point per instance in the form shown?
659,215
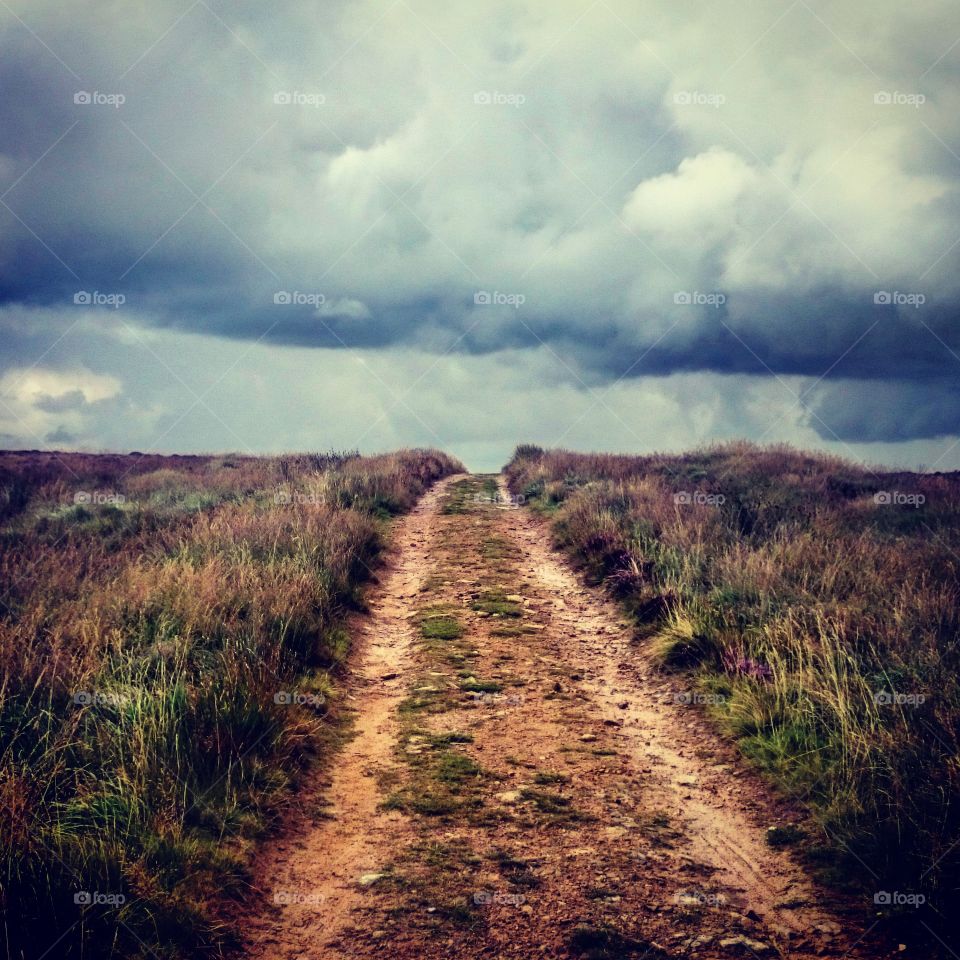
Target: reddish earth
531,788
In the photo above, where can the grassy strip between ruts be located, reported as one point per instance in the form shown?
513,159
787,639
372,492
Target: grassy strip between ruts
457,798
171,631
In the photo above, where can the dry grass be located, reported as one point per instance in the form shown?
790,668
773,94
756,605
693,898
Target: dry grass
824,619
171,629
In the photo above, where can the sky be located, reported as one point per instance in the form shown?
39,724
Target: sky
601,225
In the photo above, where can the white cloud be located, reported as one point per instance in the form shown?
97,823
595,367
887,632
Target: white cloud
40,401
345,308
697,203
30,385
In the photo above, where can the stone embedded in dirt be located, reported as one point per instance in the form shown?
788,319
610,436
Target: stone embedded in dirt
369,879
623,705
687,780
588,738
389,676
754,946
509,796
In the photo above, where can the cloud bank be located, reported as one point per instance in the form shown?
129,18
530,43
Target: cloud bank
582,198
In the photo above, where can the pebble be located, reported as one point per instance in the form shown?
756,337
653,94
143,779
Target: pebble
756,946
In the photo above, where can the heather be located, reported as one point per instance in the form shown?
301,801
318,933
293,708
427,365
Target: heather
173,632
817,601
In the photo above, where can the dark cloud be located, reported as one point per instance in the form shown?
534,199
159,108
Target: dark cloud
380,175
858,412
71,400
60,435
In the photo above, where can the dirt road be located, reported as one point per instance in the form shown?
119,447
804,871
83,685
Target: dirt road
523,783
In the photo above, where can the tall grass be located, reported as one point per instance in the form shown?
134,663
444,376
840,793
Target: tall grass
171,629
820,602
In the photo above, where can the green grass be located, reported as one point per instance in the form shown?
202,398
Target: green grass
169,663
495,602
795,602
543,778
440,740
456,768
443,781
463,496
441,627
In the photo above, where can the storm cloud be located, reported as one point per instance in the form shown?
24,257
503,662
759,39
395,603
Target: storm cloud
688,208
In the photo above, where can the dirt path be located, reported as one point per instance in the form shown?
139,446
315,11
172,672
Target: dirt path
311,878
523,783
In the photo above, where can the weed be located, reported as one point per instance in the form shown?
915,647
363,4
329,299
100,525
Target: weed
441,627
496,603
